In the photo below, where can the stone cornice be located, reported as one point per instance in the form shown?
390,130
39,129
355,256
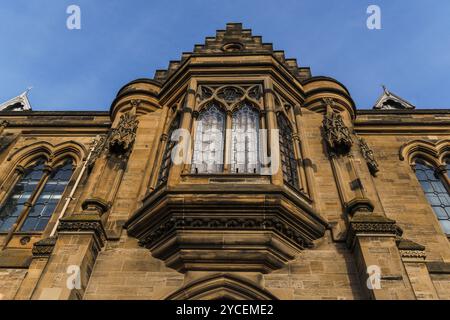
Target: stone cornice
367,224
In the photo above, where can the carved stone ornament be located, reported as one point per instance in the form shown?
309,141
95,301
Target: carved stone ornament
369,224
122,138
336,134
368,156
44,247
410,249
227,224
97,151
84,223
230,94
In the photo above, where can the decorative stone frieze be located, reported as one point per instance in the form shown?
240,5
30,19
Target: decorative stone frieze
364,224
409,250
84,223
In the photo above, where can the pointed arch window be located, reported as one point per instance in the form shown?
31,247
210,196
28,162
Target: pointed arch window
167,156
209,141
435,191
287,153
244,140
21,192
34,198
46,202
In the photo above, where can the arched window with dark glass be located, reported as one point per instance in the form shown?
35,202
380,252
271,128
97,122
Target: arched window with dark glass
435,192
20,193
46,202
209,141
244,140
167,156
42,193
287,153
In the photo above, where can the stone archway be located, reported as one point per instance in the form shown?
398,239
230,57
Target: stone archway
221,286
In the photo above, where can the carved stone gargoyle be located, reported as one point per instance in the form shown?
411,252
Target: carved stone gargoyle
336,133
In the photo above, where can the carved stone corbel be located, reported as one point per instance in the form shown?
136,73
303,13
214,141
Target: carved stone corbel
96,205
358,205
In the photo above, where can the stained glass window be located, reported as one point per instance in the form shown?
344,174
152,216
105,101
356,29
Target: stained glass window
244,140
167,156
21,192
435,192
209,141
287,154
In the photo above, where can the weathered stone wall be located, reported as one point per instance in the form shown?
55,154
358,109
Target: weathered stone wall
402,196
326,272
10,281
123,270
442,284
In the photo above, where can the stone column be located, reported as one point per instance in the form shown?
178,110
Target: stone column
271,123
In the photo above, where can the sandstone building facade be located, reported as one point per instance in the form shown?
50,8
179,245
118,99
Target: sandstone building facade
94,206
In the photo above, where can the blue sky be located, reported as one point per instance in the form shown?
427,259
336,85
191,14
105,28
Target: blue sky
123,40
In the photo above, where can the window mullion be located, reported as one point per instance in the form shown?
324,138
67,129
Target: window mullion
227,144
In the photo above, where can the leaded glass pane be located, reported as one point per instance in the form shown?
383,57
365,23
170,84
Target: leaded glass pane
445,225
48,199
20,193
288,160
436,193
244,139
209,141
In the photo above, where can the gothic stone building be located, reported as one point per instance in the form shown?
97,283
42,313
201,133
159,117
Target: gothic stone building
93,205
